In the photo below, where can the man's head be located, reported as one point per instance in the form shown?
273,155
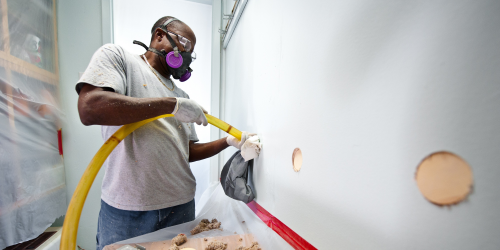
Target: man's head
173,42
176,28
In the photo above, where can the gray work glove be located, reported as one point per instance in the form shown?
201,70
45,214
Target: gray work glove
187,110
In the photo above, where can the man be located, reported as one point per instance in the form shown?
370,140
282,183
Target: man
148,184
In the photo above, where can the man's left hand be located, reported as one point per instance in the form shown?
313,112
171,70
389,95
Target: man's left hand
233,141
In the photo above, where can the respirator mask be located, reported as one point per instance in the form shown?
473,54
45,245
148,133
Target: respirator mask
177,61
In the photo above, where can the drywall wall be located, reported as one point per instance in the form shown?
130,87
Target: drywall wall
79,36
199,17
367,90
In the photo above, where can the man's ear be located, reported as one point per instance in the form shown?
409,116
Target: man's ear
159,33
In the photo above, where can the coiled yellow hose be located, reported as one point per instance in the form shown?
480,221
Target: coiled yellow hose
70,226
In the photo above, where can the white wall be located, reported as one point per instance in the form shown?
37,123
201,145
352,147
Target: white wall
367,89
79,36
133,21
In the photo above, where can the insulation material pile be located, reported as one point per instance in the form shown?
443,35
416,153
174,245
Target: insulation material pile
205,225
177,241
216,245
254,246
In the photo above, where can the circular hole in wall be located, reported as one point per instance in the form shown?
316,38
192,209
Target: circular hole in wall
444,178
297,159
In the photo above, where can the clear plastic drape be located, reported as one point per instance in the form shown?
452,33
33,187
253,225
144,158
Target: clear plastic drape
235,216
32,178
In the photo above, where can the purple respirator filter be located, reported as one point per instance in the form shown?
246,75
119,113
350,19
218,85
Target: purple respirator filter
173,61
176,62
185,76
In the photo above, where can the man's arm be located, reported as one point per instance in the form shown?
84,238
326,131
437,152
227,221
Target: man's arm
200,151
102,106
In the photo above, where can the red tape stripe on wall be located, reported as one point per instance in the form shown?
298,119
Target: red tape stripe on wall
280,228
59,141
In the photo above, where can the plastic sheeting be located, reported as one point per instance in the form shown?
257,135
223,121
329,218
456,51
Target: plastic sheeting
32,178
230,213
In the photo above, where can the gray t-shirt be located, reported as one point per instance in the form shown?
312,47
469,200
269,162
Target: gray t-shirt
149,169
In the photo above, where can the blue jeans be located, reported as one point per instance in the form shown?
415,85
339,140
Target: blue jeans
116,225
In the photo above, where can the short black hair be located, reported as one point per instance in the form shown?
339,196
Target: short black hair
161,21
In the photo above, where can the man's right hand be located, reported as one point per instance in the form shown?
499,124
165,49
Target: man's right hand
187,110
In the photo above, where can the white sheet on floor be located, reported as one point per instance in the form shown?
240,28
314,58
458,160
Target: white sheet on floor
230,213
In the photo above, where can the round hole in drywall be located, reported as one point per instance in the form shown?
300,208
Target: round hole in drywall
297,159
444,178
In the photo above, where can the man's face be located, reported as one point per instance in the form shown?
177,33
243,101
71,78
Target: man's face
176,31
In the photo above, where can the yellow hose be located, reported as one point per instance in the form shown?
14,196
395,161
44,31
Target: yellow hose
70,226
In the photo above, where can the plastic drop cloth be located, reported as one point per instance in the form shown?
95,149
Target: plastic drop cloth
32,178
230,213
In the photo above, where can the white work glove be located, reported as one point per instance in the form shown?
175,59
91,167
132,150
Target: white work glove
251,148
187,110
232,141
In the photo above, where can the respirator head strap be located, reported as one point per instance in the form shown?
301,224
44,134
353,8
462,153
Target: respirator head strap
176,50
164,25
141,43
164,28
160,53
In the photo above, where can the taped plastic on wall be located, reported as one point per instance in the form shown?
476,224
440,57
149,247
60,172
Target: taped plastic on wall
32,178
235,216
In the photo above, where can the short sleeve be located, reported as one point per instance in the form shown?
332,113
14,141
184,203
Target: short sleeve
106,69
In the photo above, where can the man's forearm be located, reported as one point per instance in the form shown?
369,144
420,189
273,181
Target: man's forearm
200,151
100,107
